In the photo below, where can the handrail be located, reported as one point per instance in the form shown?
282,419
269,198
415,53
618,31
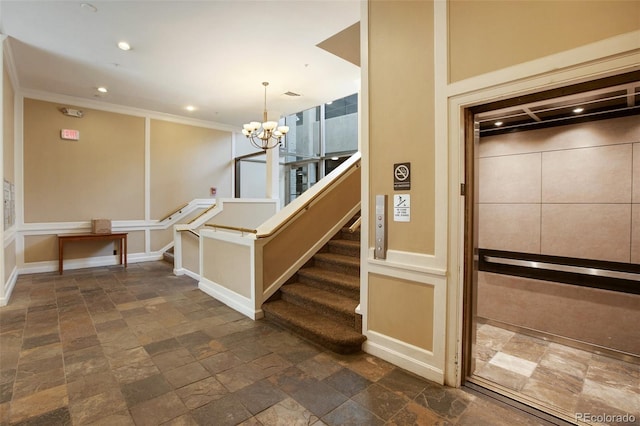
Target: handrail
213,206
173,212
607,273
189,230
356,225
232,228
305,205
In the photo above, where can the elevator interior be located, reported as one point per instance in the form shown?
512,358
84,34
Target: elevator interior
554,240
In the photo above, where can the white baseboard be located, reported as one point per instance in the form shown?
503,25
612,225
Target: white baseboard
187,272
231,299
8,287
403,360
89,262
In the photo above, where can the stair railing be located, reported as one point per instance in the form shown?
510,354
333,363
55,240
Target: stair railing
178,210
195,219
191,231
356,225
244,266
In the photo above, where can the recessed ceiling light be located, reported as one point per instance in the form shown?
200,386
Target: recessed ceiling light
335,158
498,123
102,89
123,45
190,108
329,103
578,110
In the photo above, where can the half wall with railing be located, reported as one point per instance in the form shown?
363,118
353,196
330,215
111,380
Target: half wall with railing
234,213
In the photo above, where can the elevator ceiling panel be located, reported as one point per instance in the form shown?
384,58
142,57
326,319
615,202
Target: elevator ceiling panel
615,101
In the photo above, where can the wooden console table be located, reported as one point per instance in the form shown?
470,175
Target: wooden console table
64,238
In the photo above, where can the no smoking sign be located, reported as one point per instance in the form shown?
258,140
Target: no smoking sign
401,176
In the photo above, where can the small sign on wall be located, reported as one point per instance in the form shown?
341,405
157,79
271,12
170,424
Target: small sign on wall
402,208
70,134
402,176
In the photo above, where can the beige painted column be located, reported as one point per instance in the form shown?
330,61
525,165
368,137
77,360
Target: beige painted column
273,173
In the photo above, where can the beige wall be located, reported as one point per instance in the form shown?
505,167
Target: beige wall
487,36
8,131
565,191
99,176
190,252
400,112
400,308
186,161
160,238
216,268
103,174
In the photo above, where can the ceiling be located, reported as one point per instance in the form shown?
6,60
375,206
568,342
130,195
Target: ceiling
213,55
612,101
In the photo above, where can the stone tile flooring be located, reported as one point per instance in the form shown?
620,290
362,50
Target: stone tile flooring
108,346
570,379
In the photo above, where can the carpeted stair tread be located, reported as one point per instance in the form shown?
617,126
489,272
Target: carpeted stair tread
345,247
332,279
338,259
320,300
315,327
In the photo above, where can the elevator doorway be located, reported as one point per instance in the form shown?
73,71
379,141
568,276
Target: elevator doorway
552,283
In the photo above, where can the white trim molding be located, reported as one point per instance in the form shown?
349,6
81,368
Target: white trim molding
233,300
9,285
405,261
616,55
404,355
54,228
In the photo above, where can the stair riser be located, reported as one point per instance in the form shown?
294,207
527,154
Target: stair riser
344,250
341,349
346,235
346,269
168,257
347,319
330,286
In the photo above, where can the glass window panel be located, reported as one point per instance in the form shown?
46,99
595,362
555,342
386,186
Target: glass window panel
341,125
300,177
304,133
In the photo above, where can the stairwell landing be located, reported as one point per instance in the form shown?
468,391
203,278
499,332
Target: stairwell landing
319,302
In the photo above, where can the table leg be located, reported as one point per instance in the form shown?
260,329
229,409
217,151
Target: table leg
60,254
124,252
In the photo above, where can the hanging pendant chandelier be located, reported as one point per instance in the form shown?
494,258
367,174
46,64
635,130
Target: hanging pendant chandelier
265,135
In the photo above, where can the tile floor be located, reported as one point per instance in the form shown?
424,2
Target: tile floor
106,346
570,379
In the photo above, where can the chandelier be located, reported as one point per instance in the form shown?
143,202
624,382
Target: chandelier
265,135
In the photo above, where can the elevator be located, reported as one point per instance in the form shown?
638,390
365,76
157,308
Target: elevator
552,269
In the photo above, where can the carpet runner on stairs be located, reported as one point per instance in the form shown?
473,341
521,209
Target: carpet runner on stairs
319,303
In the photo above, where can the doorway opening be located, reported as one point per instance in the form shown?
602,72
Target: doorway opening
552,250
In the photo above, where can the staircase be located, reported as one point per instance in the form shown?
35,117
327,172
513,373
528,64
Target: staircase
319,302
168,256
